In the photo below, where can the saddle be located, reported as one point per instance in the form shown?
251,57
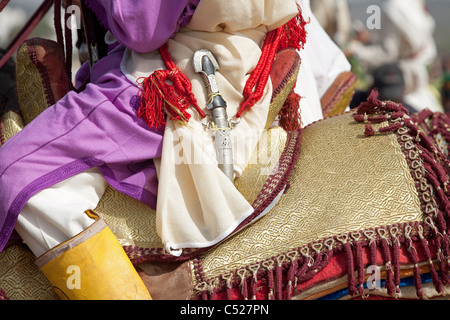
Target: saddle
355,199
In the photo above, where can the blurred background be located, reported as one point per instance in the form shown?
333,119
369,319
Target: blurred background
439,9
386,57
399,47
15,15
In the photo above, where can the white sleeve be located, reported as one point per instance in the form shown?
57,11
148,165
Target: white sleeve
56,214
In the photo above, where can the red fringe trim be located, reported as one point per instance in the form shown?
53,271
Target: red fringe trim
280,277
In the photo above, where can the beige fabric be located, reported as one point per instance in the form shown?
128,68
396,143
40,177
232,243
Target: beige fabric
197,205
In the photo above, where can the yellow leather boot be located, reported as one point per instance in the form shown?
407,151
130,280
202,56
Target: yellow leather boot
92,266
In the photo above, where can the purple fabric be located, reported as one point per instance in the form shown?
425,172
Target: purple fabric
143,25
95,128
99,126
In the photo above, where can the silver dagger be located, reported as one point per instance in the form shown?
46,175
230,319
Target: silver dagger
206,64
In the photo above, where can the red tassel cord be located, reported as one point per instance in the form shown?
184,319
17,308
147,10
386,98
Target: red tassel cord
157,97
390,285
413,255
291,35
254,280
279,277
291,275
244,286
228,277
434,276
302,269
388,110
352,289
359,261
396,246
317,265
371,236
443,261
254,88
269,266
351,281
442,249
203,289
290,118
213,289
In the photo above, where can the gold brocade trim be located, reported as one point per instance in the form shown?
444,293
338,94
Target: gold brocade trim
338,96
342,182
12,123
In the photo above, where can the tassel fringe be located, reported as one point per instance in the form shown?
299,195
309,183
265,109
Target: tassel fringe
281,277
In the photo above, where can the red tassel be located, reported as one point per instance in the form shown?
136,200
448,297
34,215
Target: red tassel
360,117
434,276
290,119
279,279
445,260
244,289
270,278
441,245
254,280
294,32
204,291
301,271
413,254
157,97
213,289
391,128
373,248
291,275
254,87
396,263
359,266
390,286
228,278
369,131
352,290
244,286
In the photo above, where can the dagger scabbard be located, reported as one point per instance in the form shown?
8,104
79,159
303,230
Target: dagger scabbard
206,64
